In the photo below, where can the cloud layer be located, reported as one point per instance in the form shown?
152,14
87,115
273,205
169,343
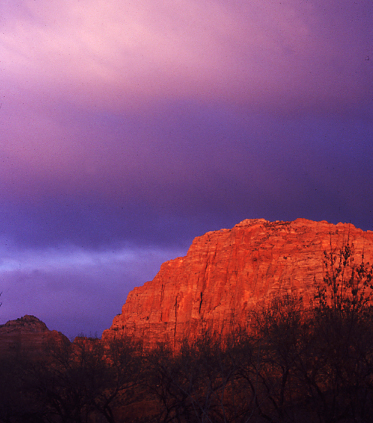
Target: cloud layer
136,126
115,54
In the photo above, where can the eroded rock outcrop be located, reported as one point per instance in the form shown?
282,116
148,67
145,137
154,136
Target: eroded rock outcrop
228,272
27,334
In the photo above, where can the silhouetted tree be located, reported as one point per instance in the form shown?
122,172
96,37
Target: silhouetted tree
279,328
337,365
87,380
18,402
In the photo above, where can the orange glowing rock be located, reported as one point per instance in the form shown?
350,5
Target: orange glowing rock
226,273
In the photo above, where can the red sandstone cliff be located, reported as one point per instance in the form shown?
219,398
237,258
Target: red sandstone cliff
226,273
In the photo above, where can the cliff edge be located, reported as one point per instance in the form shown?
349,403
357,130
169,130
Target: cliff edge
226,273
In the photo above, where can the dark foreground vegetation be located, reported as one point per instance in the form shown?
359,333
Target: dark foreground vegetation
295,364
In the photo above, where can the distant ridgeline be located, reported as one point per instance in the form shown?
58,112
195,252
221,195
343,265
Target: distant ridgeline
26,333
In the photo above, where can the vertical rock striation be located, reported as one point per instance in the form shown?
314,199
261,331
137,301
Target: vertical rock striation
226,273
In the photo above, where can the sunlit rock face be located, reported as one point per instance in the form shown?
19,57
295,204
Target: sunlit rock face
27,334
226,273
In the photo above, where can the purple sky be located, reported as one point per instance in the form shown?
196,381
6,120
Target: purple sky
129,128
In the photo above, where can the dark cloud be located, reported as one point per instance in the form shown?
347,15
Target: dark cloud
197,168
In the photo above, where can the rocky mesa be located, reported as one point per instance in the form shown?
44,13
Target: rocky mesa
226,273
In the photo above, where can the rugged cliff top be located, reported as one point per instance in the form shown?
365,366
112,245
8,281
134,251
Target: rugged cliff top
26,323
26,333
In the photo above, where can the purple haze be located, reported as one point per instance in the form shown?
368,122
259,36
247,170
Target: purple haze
129,128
